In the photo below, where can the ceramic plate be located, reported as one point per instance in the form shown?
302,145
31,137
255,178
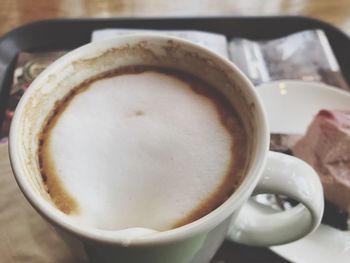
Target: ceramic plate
290,107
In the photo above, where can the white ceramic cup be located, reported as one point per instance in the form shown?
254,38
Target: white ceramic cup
239,218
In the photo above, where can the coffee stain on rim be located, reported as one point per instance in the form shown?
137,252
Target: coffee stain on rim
238,165
140,47
49,173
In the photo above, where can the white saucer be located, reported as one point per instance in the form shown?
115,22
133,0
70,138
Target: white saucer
290,107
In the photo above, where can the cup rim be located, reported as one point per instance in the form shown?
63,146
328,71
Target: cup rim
205,223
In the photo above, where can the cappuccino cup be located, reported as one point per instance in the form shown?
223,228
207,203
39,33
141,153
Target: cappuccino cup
147,148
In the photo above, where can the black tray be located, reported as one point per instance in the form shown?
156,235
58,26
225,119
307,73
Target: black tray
62,34
50,35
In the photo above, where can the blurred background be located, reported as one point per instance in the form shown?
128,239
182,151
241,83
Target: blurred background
14,13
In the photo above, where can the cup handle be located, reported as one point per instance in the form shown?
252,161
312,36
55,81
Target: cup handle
259,225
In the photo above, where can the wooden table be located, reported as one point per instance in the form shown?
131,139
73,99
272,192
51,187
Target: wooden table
14,13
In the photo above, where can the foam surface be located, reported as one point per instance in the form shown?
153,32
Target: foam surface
139,150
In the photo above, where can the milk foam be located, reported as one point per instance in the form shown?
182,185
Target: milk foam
139,150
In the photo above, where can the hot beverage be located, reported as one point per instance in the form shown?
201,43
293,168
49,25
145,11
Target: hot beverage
142,146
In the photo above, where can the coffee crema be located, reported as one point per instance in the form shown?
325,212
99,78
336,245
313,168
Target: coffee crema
142,146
